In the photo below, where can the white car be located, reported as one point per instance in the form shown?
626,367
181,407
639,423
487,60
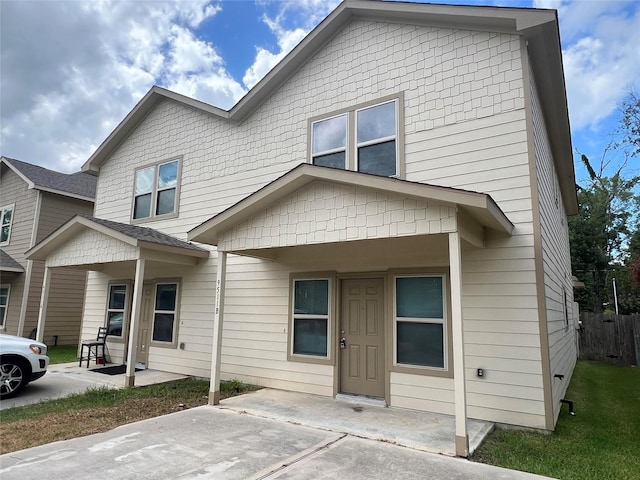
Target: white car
22,360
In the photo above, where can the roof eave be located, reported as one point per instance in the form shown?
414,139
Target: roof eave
545,53
63,193
11,269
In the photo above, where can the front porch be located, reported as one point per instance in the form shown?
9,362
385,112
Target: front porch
429,432
368,256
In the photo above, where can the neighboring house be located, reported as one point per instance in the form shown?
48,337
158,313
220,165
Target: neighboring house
35,201
384,214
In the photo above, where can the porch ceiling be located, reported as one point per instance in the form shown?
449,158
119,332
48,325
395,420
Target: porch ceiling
362,255
276,209
89,243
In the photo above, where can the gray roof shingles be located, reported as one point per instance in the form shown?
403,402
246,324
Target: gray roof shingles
6,261
144,233
78,183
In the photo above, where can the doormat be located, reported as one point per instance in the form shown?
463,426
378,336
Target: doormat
114,370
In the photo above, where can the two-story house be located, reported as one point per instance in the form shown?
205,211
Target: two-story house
35,201
384,214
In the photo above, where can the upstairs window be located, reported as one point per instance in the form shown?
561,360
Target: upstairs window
6,216
369,147
329,148
376,140
155,190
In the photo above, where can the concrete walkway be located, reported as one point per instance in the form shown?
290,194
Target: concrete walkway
359,417
218,443
65,379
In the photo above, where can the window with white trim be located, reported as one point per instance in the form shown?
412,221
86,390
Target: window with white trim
310,317
419,321
165,313
116,310
4,303
371,148
155,190
6,220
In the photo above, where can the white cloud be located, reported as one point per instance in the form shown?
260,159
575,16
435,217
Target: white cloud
266,60
600,53
307,13
83,65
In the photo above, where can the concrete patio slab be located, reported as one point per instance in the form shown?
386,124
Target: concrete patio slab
429,432
217,443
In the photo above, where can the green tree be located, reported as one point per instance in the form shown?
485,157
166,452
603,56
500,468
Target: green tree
605,238
600,233
629,129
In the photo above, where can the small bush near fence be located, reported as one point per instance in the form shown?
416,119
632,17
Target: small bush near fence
610,338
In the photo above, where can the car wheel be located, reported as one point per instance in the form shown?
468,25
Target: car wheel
13,377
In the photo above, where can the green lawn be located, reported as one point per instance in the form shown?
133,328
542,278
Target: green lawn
602,442
63,354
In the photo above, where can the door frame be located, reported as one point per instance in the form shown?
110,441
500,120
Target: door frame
384,276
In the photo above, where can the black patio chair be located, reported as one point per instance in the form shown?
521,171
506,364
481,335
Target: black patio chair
93,347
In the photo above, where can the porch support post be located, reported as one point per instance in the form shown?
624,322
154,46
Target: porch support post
460,394
136,311
25,298
218,317
44,301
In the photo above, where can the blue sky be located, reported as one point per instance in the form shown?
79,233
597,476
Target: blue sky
71,70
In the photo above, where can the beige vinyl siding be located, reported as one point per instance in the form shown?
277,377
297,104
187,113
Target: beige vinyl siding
66,296
55,210
419,392
94,314
16,285
499,283
14,190
556,259
67,290
33,300
195,317
256,324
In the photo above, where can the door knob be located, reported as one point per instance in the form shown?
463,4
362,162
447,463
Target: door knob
343,343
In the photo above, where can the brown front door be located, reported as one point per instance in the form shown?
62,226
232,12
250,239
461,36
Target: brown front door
362,328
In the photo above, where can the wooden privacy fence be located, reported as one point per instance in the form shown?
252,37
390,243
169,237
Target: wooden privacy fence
610,338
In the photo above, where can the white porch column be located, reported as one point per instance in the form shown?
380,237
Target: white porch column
460,394
25,298
136,311
218,318
44,301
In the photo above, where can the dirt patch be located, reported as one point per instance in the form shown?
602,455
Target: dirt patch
53,427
